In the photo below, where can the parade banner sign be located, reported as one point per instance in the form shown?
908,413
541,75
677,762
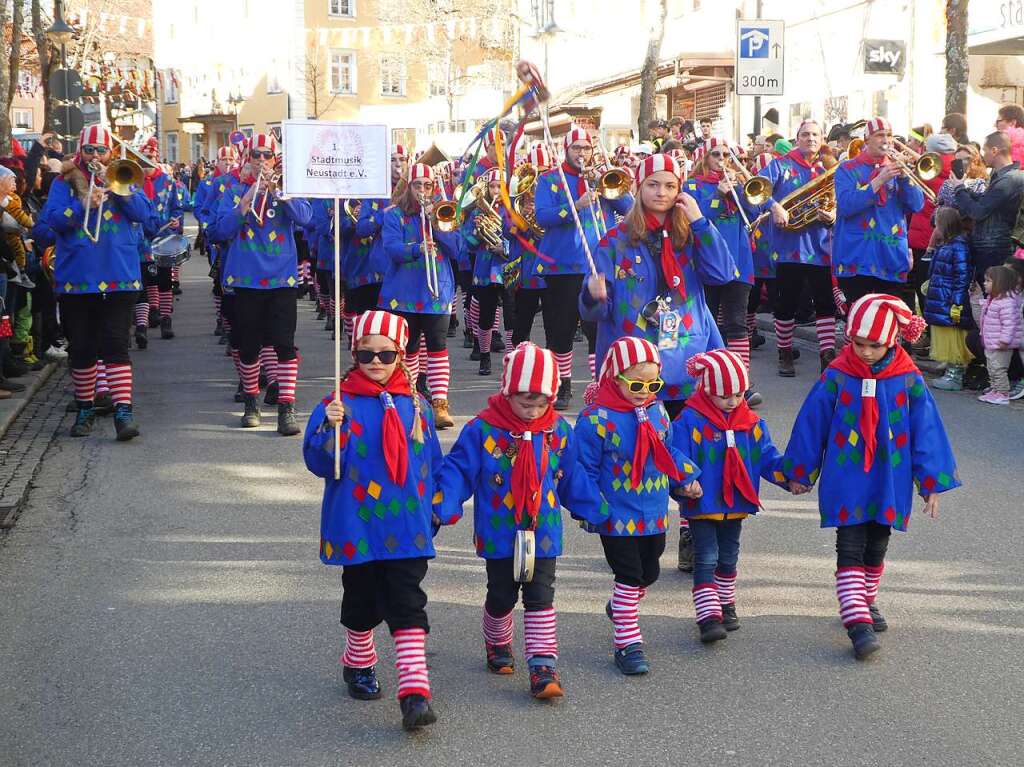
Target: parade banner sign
333,159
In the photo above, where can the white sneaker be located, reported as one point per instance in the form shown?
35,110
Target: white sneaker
55,353
994,398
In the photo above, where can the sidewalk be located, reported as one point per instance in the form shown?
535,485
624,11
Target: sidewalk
10,408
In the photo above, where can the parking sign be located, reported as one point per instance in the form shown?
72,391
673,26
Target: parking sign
760,57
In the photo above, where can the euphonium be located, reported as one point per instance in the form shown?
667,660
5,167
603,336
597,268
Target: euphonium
614,183
445,217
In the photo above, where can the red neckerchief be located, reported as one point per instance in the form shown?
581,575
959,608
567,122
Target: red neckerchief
848,362
526,483
734,475
797,156
864,159
647,442
581,183
147,185
715,177
393,441
670,268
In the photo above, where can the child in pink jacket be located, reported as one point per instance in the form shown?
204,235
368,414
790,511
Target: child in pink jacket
1002,329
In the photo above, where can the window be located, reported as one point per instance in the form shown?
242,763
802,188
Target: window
23,119
275,130
392,75
343,72
26,81
170,90
437,77
343,8
171,146
273,79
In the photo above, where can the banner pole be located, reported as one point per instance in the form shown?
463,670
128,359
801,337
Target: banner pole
339,331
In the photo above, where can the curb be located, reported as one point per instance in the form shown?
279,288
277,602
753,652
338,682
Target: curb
22,400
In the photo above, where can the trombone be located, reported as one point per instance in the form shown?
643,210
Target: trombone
757,190
121,177
429,249
925,166
267,180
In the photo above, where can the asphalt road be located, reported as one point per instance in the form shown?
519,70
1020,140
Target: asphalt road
162,603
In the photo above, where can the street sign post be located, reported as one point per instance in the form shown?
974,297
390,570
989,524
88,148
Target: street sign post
760,57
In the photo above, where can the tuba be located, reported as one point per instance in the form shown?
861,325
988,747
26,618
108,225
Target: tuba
813,198
523,189
488,226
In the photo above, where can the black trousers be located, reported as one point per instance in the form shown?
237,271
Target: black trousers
156,275
325,281
97,326
527,305
362,299
790,280
731,298
912,295
388,591
264,318
862,545
860,286
433,327
503,590
634,559
561,310
44,303
488,296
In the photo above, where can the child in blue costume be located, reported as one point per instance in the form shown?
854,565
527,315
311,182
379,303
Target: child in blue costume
734,451
870,430
625,444
376,519
512,494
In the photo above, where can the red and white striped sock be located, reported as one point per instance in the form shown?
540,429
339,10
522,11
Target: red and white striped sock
483,338
330,308
216,304
249,372
826,330
741,346
784,333
438,374
839,298
119,376
359,649
508,340
227,324
350,320
643,592
268,361
684,523
166,303
592,364
141,314
726,585
412,362
497,629
872,580
421,357
153,296
102,386
473,320
175,274
626,615
411,662
84,380
851,590
751,323
706,602
238,362
564,362
287,377
540,630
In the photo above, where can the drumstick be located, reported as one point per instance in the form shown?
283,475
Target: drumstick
338,333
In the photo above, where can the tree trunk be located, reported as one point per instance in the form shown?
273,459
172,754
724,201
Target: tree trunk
957,64
649,73
46,61
9,73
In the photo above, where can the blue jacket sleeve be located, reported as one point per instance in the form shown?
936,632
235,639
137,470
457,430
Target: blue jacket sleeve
298,210
63,211
577,491
369,222
136,207
590,309
551,207
318,443
910,195
622,204
199,202
688,470
771,464
712,259
806,448
227,220
851,201
395,246
931,455
457,478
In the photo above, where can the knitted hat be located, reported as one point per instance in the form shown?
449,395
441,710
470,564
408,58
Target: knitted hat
489,138
627,352
227,153
782,146
883,318
876,124
418,170
538,156
720,373
151,147
400,151
654,164
381,323
95,135
577,134
942,143
530,370
262,142
716,142
491,174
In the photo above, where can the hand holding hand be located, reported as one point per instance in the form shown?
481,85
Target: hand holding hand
797,489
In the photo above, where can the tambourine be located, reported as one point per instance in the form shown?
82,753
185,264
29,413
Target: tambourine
524,556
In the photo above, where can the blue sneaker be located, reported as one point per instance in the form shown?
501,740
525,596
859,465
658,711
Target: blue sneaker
84,420
124,425
362,682
631,660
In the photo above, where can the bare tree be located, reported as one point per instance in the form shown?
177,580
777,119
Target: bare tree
318,87
649,73
957,62
47,62
10,65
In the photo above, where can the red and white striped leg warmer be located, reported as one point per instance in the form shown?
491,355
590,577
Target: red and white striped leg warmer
141,314
741,346
102,385
166,303
851,590
153,296
216,304
330,307
592,364
826,330
359,649
540,630
751,323
706,602
499,318
412,362
626,615
250,375
839,298
421,358
176,274
119,376
564,362
642,592
411,662
872,580
268,361
473,320
287,377
726,585
238,363
349,320
84,380
508,340
483,338
227,324
497,629
784,333
439,374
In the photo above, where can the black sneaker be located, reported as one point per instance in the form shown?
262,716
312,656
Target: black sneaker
416,712
124,424
84,421
877,619
165,328
497,341
218,328
287,425
270,395
103,404
631,660
499,659
467,339
685,550
141,338
362,682
251,416
239,394
730,620
865,643
485,364
711,630
544,683
564,394
453,326
474,356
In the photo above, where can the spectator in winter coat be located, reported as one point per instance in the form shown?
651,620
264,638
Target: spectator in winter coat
920,231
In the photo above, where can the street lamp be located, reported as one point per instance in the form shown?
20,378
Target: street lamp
59,32
544,23
236,100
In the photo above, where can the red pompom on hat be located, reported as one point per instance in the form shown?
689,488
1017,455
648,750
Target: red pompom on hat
883,319
656,163
720,373
876,124
530,370
381,323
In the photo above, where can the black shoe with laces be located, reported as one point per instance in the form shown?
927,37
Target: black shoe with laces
865,643
287,424
474,356
711,630
362,682
270,395
631,660
467,339
485,364
497,341
124,424
544,683
154,317
416,712
103,404
84,421
564,394
730,620
141,337
877,619
165,328
453,326
251,416
499,659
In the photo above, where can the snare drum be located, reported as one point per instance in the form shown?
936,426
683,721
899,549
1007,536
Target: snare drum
172,250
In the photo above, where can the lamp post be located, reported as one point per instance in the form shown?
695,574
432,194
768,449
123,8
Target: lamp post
58,34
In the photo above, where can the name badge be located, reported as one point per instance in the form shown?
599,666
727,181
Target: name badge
730,438
867,388
668,330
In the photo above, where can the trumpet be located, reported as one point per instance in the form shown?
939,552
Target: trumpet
921,167
268,180
756,189
429,249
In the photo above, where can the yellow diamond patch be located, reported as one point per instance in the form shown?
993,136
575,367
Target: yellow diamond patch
696,437
853,438
237,199
68,213
230,280
103,286
393,304
507,500
438,497
107,215
67,287
563,213
291,282
250,233
554,187
373,489
551,499
272,236
489,444
328,549
895,228
714,203
758,432
631,526
871,223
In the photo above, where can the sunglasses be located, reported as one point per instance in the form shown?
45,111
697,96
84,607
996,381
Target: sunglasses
266,154
95,150
639,387
366,356
717,155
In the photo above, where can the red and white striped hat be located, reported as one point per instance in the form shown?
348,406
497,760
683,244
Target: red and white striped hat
491,174
227,153
577,134
656,163
262,142
883,318
530,370
716,142
95,135
151,147
626,352
876,124
381,323
418,170
762,160
538,156
720,373
489,137
400,151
